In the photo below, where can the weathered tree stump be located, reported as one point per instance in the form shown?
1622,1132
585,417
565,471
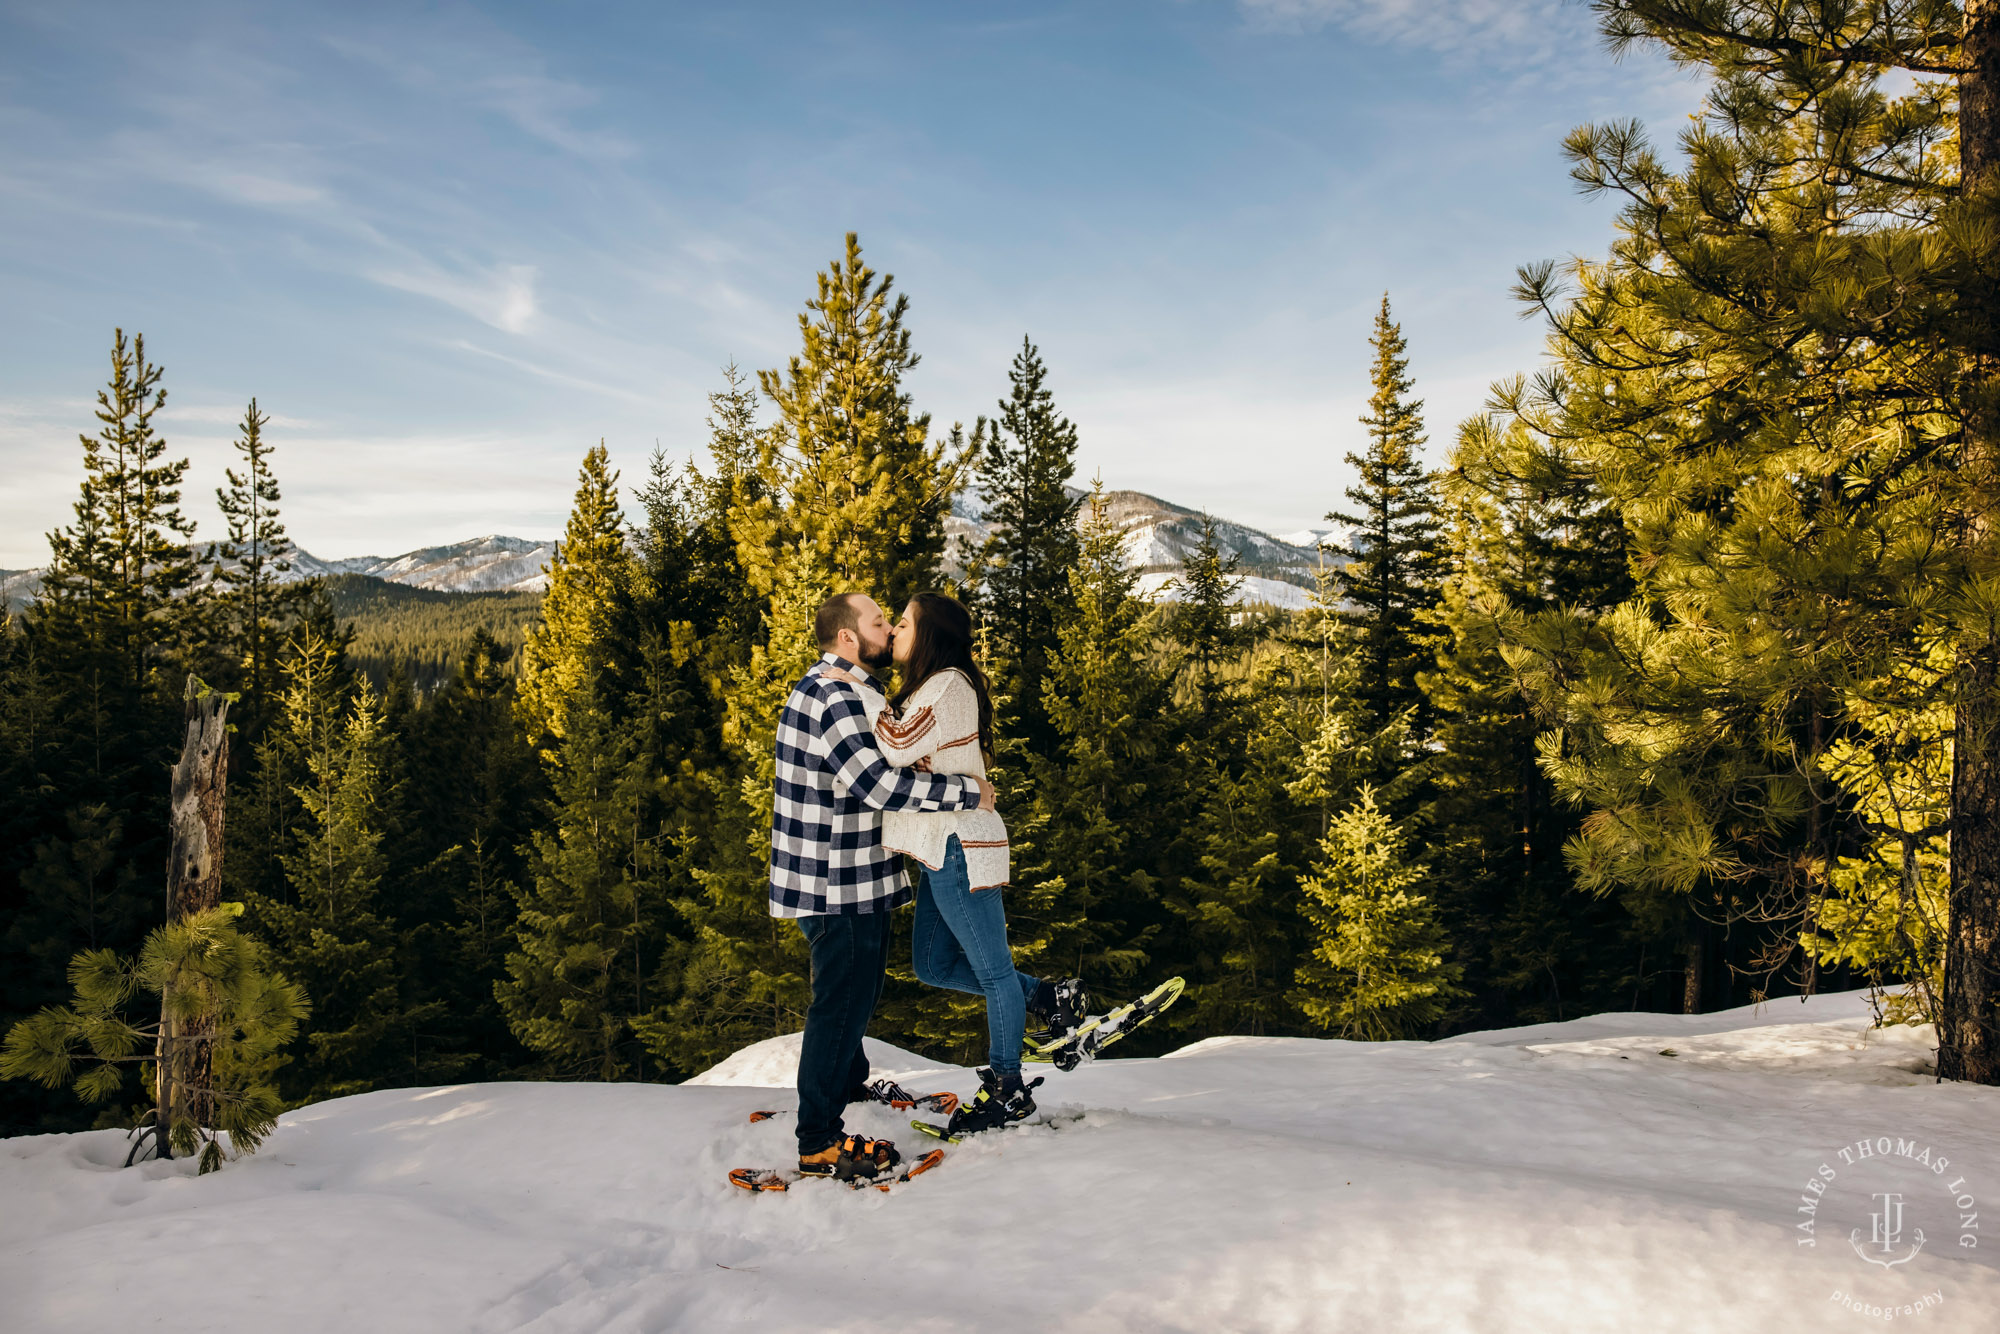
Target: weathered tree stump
185,1084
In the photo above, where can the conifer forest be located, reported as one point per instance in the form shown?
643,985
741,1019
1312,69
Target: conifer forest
1670,681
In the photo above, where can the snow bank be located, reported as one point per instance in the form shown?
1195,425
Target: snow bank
1562,1177
774,1063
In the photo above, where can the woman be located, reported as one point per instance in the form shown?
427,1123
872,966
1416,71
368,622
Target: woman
943,719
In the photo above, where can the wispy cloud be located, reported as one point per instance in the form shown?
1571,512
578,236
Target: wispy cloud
1509,30
494,74
503,297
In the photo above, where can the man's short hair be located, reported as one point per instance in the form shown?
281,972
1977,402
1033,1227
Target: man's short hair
840,612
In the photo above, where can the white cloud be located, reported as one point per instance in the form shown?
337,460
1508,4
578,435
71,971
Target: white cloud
502,296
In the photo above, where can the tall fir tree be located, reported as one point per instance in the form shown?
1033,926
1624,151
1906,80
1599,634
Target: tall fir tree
250,564
577,977
586,608
1390,559
738,975
853,479
1088,891
105,646
1024,460
329,932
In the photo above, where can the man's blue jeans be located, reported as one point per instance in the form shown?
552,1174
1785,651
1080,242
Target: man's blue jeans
850,957
961,943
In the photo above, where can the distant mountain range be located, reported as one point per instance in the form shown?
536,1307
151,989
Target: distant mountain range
1157,534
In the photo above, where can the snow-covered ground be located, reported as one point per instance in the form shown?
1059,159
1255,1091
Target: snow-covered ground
1625,1172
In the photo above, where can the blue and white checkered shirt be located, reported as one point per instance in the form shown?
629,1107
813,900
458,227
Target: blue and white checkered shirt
832,787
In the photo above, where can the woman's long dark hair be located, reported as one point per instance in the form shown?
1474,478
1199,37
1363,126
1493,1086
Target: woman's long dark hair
943,640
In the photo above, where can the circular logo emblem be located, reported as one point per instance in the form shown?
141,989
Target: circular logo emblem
1884,1200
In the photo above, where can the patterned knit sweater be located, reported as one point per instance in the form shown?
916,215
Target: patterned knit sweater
941,723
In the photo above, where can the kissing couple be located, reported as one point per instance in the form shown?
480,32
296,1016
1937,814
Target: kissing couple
862,780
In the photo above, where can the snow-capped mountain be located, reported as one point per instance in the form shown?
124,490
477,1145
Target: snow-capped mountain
1309,538
1157,534
1281,571
18,588
478,565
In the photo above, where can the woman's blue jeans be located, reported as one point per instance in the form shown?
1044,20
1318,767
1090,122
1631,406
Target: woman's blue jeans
961,943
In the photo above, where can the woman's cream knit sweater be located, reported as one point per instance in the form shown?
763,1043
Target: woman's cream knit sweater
941,722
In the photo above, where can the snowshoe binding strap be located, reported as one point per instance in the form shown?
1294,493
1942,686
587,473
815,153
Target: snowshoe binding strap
857,1158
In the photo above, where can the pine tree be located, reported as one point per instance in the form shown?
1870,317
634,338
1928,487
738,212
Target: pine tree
250,563
739,974
1377,970
1779,378
576,979
106,644
219,980
858,487
1088,892
115,578
1205,624
1024,460
585,610
1537,948
1390,570
329,932
474,793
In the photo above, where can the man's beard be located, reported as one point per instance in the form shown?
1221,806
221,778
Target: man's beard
878,659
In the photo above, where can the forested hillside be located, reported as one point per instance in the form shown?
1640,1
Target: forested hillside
421,634
1667,683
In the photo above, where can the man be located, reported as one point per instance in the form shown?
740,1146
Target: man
830,872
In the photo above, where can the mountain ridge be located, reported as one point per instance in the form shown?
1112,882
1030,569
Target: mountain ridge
1155,535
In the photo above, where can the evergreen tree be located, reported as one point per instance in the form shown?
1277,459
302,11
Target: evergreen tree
576,981
1088,894
1389,576
220,984
1536,949
1206,626
1024,461
1779,378
115,579
585,609
250,563
1377,970
739,975
853,480
329,932
101,658
474,793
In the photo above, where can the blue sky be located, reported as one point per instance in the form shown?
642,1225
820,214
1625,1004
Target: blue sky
450,246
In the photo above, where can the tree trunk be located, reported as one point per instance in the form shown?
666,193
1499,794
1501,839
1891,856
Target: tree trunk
1969,1017
1691,967
194,883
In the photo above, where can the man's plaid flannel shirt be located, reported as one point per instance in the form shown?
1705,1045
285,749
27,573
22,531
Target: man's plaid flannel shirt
832,787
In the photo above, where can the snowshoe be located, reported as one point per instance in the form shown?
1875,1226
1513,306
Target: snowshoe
1094,1035
767,1178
